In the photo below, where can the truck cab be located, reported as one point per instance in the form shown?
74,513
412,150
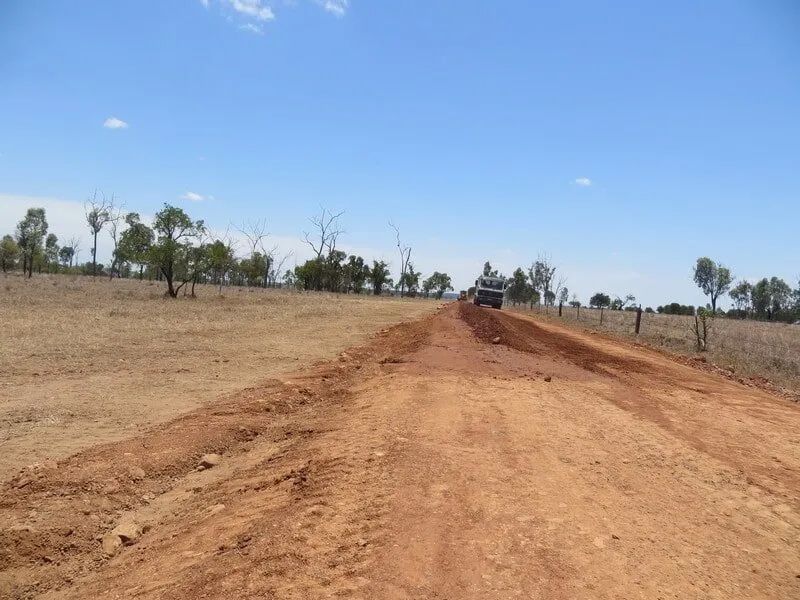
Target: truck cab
489,291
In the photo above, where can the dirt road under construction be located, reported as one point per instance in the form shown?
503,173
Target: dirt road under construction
470,454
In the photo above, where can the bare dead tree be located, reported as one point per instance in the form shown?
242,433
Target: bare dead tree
115,221
562,281
541,274
405,258
74,243
327,232
255,232
222,257
98,213
277,267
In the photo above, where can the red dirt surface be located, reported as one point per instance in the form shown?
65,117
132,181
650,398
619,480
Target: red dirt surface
435,462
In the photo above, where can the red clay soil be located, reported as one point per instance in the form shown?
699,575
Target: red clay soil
434,462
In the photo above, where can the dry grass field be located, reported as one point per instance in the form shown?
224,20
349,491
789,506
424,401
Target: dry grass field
85,361
743,347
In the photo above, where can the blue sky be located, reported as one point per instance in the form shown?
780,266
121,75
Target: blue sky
624,139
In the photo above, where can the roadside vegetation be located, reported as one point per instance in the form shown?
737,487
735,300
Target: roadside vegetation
758,337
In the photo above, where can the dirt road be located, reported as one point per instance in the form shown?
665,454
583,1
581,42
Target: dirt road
471,454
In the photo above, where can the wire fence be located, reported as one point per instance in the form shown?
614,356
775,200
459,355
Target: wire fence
748,347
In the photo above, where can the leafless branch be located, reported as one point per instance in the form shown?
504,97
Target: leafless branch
327,232
405,257
256,233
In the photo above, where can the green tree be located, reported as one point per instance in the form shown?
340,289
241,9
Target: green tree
309,275
333,271
409,280
519,291
541,274
170,253
488,271
379,276
439,283
356,273
51,252
220,261
741,295
30,235
563,295
135,242
65,256
98,214
254,268
780,296
288,278
713,279
797,299
771,298
9,250
600,300
622,303
760,297
675,308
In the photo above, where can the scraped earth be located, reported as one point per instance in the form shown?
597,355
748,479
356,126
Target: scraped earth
470,454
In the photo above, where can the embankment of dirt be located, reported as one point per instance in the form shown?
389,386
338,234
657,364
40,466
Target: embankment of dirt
493,326
54,515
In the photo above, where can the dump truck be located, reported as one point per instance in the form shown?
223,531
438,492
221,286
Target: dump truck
489,291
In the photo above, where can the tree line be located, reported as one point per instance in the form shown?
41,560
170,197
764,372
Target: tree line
770,299
766,299
182,252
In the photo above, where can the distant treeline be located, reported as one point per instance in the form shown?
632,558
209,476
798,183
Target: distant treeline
181,252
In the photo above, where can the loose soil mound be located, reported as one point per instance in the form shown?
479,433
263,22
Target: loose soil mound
525,336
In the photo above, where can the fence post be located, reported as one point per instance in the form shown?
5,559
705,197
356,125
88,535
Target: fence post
559,308
638,319
579,312
601,315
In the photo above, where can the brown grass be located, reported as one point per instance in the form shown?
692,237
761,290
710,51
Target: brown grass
744,348
84,361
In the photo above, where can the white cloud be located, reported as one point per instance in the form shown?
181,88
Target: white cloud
204,3
252,28
335,7
583,181
253,8
193,197
114,123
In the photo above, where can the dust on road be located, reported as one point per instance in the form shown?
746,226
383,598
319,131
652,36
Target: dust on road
435,462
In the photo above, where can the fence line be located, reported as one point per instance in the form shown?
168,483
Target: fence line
780,340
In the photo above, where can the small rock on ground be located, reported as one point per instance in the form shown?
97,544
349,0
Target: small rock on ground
210,460
127,531
111,543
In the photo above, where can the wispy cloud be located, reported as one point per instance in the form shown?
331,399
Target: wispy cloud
253,14
255,9
583,182
193,197
114,123
252,28
335,7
